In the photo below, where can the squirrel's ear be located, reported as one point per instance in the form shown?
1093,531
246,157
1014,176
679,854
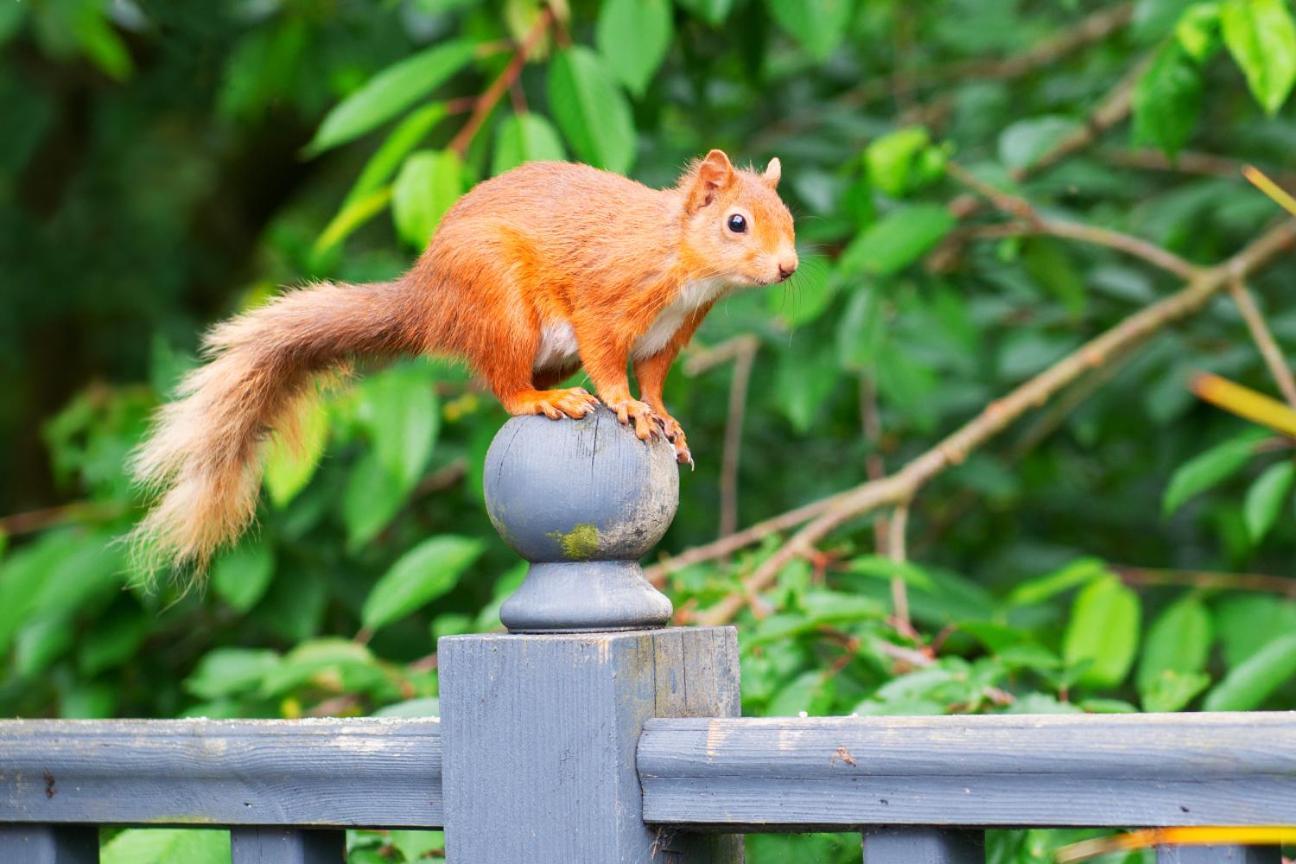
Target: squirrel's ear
714,174
773,171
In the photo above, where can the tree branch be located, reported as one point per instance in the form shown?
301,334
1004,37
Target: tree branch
488,99
832,512
1032,221
1150,576
1264,340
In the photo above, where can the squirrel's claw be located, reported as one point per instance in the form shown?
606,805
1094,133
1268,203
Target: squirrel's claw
640,413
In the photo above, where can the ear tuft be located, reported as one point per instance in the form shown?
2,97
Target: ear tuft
773,171
714,174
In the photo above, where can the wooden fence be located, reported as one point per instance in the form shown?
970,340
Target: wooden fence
592,735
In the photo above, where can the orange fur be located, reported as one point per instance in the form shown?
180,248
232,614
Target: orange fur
531,273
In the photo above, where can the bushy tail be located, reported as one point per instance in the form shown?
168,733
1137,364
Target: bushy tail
203,457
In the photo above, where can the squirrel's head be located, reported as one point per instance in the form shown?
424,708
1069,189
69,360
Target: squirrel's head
736,221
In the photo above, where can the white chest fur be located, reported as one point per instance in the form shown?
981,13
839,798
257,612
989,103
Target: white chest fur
558,346
692,296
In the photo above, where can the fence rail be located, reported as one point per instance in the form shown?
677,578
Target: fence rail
1067,769
369,772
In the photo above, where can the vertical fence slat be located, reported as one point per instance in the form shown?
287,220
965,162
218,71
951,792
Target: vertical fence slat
923,846
1219,855
49,844
287,846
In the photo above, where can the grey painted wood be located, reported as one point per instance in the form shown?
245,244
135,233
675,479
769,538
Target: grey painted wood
923,846
270,845
354,772
540,735
795,774
1219,855
583,500
49,844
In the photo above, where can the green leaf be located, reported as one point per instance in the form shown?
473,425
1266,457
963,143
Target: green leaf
1171,691
1207,470
389,92
420,576
810,692
113,640
288,469
350,217
241,575
819,25
711,11
897,240
1179,641
1198,30
1025,141
591,110
1261,37
230,671
1248,622
389,156
168,846
861,329
340,664
633,37
1103,631
525,138
1167,100
1079,572
1247,686
890,159
1265,498
39,643
373,496
429,184
400,409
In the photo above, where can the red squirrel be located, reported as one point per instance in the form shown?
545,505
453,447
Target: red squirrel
529,276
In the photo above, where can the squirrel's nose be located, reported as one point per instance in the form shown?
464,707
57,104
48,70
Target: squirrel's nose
787,266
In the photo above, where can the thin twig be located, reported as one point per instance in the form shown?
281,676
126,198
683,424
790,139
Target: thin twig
874,467
1151,576
48,517
738,387
1049,51
899,523
488,99
998,415
1264,340
1031,220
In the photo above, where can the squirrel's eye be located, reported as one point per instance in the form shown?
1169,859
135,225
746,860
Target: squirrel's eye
737,223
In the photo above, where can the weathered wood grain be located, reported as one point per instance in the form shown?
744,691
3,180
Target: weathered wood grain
923,846
540,735
1124,770
346,773
268,845
49,844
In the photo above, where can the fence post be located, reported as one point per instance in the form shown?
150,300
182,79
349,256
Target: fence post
273,845
541,724
49,844
923,846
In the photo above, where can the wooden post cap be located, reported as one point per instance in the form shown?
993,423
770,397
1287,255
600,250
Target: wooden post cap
583,501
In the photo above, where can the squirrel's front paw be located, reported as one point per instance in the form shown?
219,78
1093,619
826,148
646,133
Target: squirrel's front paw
641,413
675,434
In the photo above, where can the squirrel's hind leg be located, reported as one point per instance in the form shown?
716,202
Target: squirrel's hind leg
533,393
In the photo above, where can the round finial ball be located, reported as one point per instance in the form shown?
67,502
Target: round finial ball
579,490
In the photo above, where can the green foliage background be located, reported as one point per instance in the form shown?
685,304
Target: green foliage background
169,162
